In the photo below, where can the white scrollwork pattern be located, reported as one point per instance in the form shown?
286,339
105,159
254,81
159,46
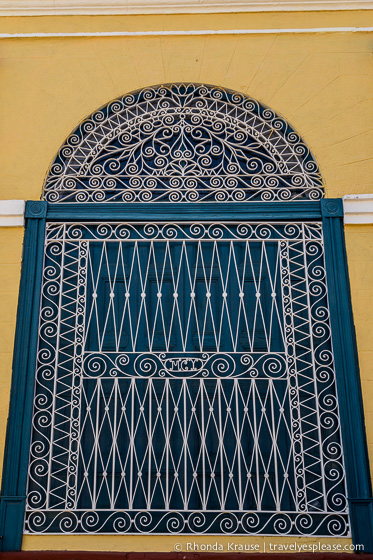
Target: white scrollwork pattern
183,143
185,382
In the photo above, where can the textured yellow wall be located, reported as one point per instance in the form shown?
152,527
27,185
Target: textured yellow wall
359,245
321,83
10,267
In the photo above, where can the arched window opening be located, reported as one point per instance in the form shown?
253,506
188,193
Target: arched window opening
185,375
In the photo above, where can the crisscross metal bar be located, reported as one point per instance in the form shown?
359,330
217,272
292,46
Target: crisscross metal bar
185,382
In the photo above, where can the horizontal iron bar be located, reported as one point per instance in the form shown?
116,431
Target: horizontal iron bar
220,211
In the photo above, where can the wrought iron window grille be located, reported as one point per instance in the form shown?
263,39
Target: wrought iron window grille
185,370
171,396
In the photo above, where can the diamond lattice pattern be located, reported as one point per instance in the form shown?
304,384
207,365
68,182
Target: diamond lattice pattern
184,296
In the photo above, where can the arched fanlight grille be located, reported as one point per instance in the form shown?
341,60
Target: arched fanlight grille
183,143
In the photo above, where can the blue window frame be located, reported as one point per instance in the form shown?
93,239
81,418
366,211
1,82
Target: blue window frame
204,347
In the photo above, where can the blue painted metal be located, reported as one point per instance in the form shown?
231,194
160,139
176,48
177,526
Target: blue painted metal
184,211
20,412
348,377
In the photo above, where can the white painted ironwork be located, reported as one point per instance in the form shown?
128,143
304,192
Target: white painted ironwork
185,382
183,142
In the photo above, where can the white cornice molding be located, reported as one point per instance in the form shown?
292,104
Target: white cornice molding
358,208
12,213
189,32
113,7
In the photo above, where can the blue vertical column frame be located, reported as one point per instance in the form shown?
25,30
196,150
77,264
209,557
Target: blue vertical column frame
13,491
348,376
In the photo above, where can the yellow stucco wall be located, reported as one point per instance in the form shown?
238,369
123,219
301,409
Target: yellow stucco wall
321,83
359,245
10,268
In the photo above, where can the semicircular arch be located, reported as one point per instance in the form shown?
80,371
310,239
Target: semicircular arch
183,142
